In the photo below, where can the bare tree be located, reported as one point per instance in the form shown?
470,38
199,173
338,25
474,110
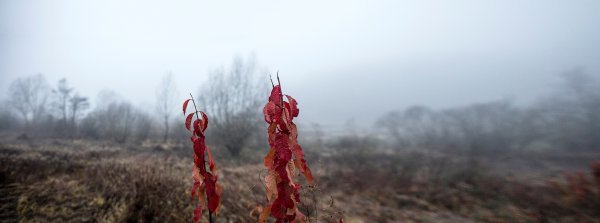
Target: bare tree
59,104
112,118
62,95
113,122
78,104
415,127
483,128
233,99
142,125
29,96
165,101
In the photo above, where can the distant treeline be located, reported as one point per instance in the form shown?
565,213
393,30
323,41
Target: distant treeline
36,109
568,118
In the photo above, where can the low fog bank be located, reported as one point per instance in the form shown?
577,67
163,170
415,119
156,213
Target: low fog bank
566,118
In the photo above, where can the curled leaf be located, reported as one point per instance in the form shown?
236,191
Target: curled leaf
293,106
268,161
211,162
264,214
188,121
272,113
204,121
185,104
270,186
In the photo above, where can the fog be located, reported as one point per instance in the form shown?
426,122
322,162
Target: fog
341,59
409,111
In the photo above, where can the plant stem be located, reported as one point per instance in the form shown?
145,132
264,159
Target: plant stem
210,219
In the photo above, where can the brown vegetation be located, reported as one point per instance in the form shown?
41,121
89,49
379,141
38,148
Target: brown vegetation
104,182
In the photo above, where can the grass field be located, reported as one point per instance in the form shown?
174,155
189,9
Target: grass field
82,181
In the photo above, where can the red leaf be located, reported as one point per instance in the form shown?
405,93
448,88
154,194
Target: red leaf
293,106
188,121
283,140
211,162
287,112
185,104
271,112
197,213
282,148
211,193
199,147
271,131
198,128
268,161
205,183
276,95
205,121
299,154
278,208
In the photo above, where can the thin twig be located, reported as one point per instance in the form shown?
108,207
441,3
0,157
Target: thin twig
278,82
281,89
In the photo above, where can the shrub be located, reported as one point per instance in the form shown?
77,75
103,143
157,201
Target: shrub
282,191
205,182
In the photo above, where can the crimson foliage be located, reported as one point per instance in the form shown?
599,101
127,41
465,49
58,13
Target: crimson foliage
285,158
205,186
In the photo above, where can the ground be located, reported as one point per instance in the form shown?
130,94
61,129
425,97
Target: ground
84,181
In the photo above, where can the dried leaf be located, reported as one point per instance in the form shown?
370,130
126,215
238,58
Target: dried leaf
268,161
271,186
265,213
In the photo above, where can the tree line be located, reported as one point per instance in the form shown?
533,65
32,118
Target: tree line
231,95
567,118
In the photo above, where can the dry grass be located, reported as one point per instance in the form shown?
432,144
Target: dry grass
97,182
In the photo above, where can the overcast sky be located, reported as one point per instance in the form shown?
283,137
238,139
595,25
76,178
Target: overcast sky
341,59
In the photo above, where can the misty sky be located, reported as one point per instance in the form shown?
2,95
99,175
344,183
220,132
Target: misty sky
341,59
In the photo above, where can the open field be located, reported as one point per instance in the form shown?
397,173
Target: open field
396,111
81,181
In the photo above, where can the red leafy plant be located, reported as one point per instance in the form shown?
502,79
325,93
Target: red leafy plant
205,186
284,160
